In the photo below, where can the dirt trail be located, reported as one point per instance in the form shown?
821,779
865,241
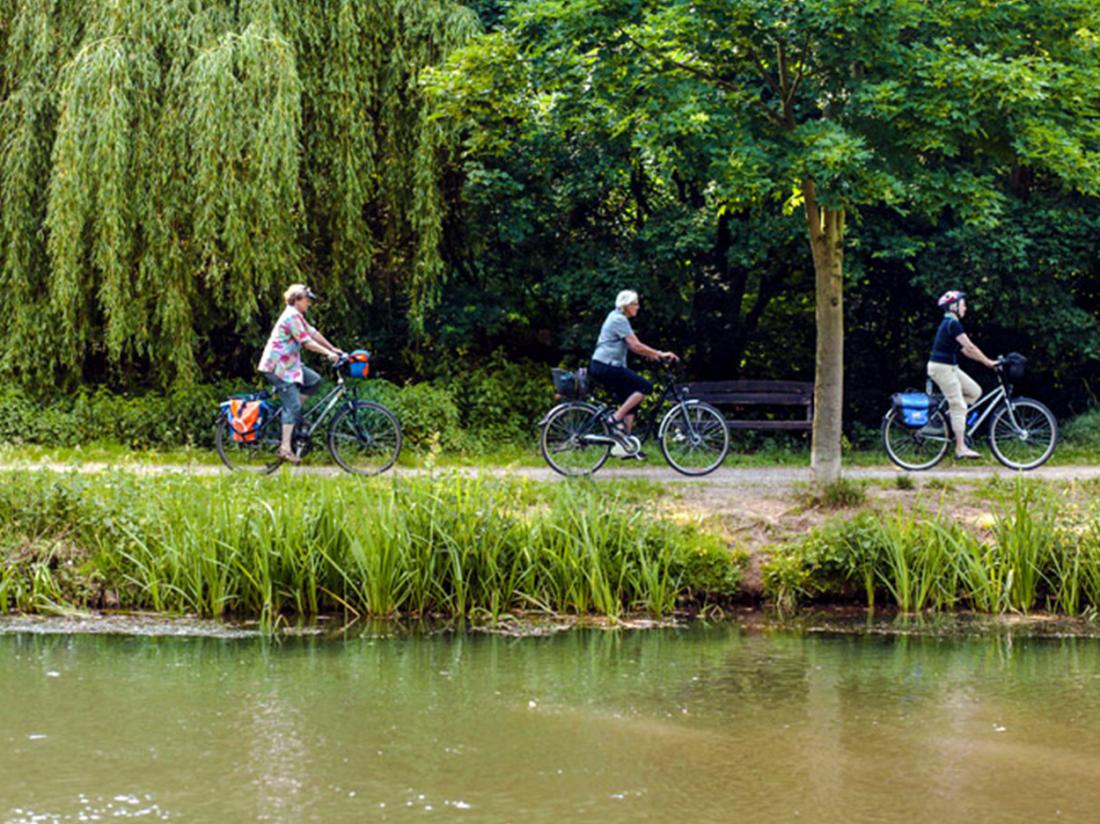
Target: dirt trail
784,478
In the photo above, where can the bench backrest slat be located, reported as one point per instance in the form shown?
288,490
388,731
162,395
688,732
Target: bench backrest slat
784,393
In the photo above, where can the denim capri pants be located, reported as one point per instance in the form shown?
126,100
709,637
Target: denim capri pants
291,393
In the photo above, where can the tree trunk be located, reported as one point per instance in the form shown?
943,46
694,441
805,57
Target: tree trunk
826,230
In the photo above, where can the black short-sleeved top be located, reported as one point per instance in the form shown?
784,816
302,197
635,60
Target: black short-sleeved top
946,347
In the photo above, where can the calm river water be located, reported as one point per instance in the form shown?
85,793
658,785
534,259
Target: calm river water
697,725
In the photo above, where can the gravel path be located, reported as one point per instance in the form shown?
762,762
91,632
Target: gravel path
774,478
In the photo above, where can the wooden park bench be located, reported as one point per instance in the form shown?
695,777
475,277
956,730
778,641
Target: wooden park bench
768,396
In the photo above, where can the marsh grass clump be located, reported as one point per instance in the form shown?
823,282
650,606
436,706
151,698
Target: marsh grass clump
843,493
1040,552
264,547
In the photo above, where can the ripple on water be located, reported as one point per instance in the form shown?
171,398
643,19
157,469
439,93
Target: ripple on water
98,808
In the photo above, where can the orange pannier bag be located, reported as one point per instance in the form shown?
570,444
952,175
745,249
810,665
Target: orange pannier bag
245,417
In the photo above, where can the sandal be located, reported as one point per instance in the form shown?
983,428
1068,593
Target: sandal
969,454
289,457
616,426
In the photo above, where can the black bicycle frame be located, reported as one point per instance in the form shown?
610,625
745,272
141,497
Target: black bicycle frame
669,392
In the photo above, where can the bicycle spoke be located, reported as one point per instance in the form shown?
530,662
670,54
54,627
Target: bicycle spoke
365,439
1029,441
915,448
565,445
695,439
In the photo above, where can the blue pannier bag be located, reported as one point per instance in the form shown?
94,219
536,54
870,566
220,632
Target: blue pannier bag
359,363
914,408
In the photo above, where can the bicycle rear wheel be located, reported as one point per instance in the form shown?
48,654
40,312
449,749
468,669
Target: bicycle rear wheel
365,438
694,438
564,443
915,448
260,456
1030,441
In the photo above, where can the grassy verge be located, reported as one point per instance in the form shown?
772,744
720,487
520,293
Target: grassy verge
270,547
505,455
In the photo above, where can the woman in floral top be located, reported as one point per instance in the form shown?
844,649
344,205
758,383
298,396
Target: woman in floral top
281,363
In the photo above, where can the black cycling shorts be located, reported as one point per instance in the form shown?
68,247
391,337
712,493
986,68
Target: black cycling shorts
621,381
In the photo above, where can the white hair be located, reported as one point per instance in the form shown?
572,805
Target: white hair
625,298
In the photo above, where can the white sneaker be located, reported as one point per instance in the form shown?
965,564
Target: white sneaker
618,452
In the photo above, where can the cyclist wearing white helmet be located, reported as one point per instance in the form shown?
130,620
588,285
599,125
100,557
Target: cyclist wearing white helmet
943,366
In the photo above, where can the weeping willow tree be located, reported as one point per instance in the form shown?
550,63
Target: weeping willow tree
168,166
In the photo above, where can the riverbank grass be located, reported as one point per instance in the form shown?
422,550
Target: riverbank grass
451,545
1036,550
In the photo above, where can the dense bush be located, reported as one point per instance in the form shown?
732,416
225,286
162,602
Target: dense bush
487,406
183,417
502,400
1083,431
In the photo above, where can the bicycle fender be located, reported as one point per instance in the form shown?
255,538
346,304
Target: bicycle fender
668,415
558,406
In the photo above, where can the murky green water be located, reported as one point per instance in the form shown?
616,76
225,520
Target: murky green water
705,724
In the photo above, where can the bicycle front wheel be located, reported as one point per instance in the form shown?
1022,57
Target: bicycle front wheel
364,438
260,456
564,439
694,438
915,448
1026,438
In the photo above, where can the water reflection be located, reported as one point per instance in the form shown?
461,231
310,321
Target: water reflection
706,723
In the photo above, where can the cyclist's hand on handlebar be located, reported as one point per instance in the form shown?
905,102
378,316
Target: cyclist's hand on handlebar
335,357
668,357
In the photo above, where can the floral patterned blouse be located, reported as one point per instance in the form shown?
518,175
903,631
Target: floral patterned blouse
282,356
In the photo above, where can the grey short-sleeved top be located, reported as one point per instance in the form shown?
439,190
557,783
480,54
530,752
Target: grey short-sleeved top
611,345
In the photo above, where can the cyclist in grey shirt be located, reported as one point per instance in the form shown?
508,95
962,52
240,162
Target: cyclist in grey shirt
608,367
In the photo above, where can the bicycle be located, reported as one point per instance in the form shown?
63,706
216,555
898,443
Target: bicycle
1023,433
363,437
576,440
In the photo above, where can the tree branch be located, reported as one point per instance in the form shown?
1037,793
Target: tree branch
785,85
718,80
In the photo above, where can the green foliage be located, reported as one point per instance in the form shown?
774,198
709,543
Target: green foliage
428,415
167,170
286,545
1083,431
182,417
501,400
665,145
484,408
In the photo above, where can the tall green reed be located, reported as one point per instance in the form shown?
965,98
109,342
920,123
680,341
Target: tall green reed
450,545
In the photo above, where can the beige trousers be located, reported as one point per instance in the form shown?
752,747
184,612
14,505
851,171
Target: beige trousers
959,388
